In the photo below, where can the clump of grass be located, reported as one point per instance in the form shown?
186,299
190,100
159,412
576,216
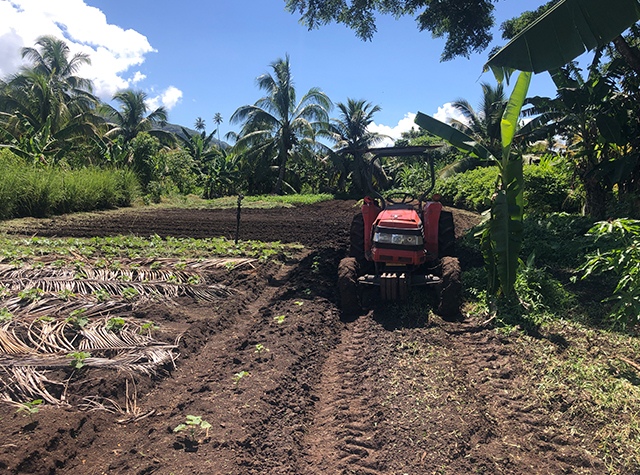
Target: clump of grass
39,191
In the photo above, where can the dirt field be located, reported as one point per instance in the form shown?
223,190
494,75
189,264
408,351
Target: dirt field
287,386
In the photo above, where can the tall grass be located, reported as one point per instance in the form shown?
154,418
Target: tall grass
38,191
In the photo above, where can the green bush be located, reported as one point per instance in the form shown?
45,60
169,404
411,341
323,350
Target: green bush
547,188
557,240
33,190
618,253
469,190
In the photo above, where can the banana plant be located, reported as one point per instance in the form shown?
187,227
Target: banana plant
502,238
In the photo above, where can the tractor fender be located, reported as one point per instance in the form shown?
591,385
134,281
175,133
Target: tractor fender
370,211
430,220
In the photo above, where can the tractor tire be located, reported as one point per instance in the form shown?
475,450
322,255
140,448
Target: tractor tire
348,286
450,289
356,238
446,235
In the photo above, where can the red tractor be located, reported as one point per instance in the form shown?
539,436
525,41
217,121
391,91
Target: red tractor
400,241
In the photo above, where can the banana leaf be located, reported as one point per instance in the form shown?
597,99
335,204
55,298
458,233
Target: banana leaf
511,114
455,137
563,33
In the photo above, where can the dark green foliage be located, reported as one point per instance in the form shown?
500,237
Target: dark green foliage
618,254
33,190
557,240
547,189
466,24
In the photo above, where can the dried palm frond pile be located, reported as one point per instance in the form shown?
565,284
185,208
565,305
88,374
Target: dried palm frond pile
60,319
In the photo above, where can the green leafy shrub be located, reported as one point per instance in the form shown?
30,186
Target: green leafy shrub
558,239
619,254
36,190
469,190
547,188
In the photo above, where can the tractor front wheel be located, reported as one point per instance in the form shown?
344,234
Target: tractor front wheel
450,289
348,286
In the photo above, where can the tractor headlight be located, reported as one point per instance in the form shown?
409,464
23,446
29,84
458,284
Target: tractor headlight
398,239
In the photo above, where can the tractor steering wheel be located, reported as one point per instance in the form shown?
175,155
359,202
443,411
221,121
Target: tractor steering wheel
400,197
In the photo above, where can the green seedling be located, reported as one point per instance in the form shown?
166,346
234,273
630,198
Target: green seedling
148,327
102,295
31,295
181,266
66,294
299,303
115,324
193,280
279,319
5,315
29,408
315,265
260,348
78,319
130,293
238,376
78,358
45,319
193,425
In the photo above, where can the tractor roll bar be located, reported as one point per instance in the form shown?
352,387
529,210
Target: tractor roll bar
401,152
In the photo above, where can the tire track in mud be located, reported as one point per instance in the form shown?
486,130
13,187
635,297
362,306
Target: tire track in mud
343,438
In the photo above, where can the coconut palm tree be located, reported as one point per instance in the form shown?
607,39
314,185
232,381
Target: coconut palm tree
52,60
200,126
279,127
134,117
217,119
351,135
45,109
484,124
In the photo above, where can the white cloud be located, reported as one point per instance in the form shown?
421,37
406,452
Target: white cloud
446,112
393,133
168,98
113,50
137,77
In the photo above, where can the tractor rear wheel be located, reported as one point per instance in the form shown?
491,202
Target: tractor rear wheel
356,238
446,234
348,286
450,289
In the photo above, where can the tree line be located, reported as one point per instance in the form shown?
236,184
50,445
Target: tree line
290,144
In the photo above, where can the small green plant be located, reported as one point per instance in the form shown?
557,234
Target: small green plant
78,359
115,324
181,266
279,319
29,408
299,303
31,295
260,348
193,280
148,327
619,254
130,293
5,315
66,294
238,376
78,319
315,265
102,295
193,425
45,319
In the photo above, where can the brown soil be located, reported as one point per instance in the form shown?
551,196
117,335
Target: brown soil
391,392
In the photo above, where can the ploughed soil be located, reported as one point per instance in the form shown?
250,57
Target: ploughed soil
287,385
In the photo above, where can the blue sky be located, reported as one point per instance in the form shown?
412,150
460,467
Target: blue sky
198,58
